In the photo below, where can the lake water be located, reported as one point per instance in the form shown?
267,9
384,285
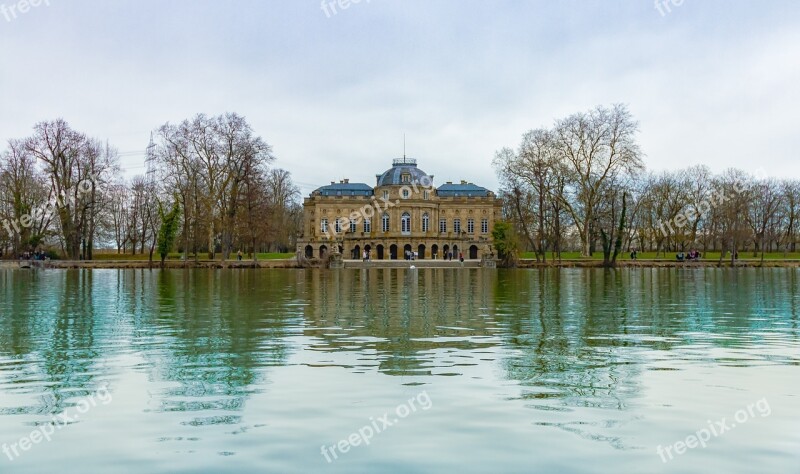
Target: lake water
394,370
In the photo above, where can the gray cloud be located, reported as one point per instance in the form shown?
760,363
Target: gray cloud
711,82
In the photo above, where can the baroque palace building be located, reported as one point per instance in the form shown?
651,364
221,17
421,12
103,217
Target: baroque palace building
403,213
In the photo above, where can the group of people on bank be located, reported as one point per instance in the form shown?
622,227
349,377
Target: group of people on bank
37,255
693,255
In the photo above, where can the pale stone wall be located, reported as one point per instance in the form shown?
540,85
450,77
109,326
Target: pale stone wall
317,207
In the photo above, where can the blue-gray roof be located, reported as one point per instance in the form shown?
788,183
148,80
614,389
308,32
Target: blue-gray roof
345,189
400,166
462,190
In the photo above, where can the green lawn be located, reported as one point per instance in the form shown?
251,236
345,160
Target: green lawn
670,256
274,256
177,256
127,256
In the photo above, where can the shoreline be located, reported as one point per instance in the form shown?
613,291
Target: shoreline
381,264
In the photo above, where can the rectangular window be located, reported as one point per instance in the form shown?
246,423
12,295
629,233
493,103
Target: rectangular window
470,226
323,225
386,195
442,225
405,224
485,226
457,226
385,223
367,226
353,228
425,195
338,226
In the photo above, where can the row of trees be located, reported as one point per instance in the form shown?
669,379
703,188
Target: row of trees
581,184
62,191
219,171
51,188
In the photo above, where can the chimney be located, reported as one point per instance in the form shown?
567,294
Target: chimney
463,181
347,181
449,182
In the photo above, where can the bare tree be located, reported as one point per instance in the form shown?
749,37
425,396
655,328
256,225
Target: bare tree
24,214
282,197
63,153
119,214
732,197
596,147
791,200
762,211
531,172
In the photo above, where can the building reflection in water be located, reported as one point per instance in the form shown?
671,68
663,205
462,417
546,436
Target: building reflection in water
398,319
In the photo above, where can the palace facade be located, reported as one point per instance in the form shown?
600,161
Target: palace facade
402,214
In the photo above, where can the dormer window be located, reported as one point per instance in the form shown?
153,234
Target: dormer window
405,178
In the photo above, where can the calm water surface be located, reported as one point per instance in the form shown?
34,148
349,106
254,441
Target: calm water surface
569,371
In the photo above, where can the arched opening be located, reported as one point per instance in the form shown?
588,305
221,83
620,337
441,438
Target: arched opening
434,251
405,223
309,251
379,249
473,252
455,251
368,249
446,250
357,252
407,252
421,252
393,252
323,251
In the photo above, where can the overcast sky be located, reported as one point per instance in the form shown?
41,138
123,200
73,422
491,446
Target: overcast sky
713,82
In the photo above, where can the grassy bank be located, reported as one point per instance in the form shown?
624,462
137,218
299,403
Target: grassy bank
117,257
651,256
